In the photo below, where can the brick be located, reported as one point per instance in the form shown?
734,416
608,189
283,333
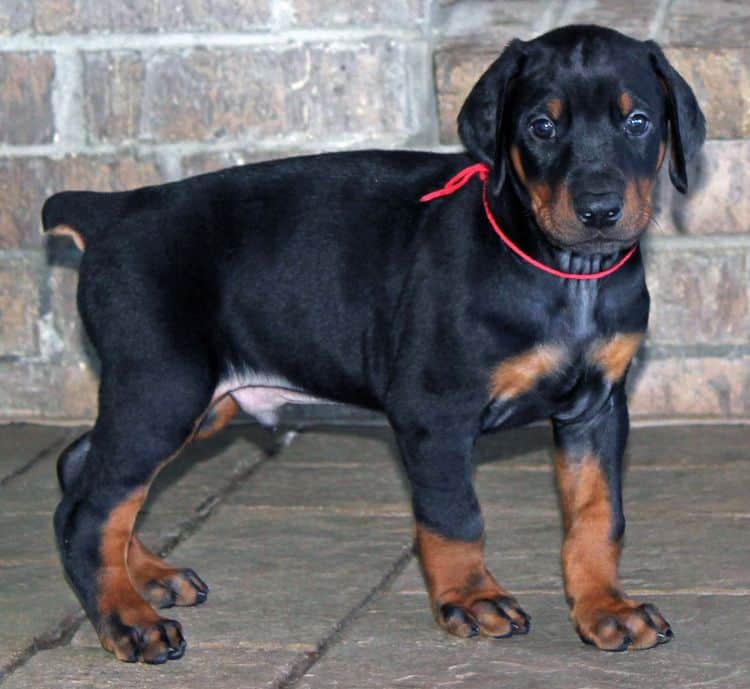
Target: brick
47,391
720,78
457,69
724,23
113,113
699,296
64,338
211,95
631,17
19,304
84,16
310,13
27,182
489,22
15,16
199,163
718,200
700,387
26,115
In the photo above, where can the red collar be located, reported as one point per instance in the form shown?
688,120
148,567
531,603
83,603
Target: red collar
457,181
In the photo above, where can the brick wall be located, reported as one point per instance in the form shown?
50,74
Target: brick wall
104,94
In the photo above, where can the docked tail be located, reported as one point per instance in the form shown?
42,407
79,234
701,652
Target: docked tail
78,214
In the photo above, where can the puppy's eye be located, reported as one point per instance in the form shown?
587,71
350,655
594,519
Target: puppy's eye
543,128
637,124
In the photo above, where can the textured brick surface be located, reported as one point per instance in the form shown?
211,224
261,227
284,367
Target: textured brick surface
331,14
205,95
487,21
114,85
26,182
48,391
699,297
115,95
19,305
66,341
83,16
26,98
696,22
718,201
632,17
681,386
720,78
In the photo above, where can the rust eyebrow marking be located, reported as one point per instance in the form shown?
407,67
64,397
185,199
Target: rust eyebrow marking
520,373
613,356
555,108
625,101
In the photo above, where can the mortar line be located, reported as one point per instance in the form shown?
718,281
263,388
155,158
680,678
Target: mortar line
280,40
659,19
38,457
62,632
300,667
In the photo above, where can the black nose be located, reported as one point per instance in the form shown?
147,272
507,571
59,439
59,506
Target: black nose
598,210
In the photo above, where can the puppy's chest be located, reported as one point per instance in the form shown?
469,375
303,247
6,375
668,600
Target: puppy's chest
559,375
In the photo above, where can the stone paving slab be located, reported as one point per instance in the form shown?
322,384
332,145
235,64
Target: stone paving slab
296,550
396,644
34,596
21,443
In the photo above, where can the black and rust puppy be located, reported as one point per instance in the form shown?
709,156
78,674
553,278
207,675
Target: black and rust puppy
514,293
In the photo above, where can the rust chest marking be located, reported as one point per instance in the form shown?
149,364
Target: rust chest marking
519,374
613,356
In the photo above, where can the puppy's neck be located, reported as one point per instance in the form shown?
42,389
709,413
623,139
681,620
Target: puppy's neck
518,222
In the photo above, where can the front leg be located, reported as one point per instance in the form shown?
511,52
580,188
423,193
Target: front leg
465,598
589,466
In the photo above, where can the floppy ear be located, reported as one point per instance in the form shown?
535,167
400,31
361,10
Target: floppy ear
686,121
481,117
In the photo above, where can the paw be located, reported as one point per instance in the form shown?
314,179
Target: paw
496,617
616,624
154,642
174,587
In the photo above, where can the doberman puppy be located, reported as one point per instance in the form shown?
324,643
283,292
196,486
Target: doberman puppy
456,303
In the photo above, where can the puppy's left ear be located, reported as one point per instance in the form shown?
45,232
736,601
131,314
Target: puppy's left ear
686,121
481,117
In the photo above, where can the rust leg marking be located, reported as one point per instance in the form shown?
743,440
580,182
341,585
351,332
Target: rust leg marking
161,584
601,613
466,600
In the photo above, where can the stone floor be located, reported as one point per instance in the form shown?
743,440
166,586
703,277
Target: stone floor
304,539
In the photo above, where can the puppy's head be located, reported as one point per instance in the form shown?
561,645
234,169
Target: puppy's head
579,120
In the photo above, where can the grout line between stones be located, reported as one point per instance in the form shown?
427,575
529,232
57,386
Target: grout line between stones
61,633
306,661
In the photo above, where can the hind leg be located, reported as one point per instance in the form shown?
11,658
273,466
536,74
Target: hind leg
137,432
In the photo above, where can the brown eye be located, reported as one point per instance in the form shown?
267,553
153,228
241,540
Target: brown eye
543,128
637,124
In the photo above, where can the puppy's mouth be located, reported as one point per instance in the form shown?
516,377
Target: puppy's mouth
576,237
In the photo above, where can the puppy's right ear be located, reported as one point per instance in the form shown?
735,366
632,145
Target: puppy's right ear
481,117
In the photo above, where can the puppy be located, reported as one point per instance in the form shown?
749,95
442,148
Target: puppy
457,293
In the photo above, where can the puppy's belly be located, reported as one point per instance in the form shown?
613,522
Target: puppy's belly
262,396
264,402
